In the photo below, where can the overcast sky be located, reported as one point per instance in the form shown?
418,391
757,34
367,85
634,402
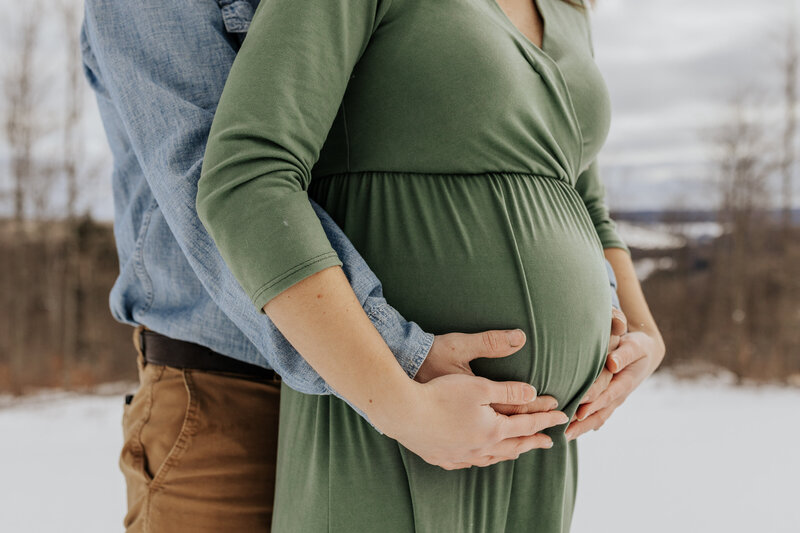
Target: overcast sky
671,67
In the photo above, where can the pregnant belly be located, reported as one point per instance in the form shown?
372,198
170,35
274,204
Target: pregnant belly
493,251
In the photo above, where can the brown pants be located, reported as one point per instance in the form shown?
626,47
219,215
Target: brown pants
199,451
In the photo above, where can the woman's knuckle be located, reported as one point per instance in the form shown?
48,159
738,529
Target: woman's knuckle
511,392
492,340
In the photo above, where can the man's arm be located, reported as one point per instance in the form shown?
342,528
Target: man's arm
158,69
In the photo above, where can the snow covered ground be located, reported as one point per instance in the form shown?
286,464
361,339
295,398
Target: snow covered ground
699,456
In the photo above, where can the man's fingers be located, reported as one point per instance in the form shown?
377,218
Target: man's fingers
508,392
530,424
494,343
627,353
540,404
619,322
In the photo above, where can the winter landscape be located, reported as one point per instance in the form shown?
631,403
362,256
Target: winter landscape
703,142
697,456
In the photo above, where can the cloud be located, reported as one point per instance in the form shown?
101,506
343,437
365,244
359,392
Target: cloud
671,68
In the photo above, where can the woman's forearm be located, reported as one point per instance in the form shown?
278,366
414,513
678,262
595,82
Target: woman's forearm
632,298
323,319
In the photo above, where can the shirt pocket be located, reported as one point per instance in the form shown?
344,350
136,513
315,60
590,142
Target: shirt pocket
236,16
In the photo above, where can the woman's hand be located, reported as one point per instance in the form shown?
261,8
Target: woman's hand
479,435
448,421
627,366
637,355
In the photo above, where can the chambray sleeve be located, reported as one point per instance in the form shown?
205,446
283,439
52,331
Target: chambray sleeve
283,93
158,69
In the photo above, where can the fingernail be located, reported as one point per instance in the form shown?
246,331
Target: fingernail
582,417
549,444
555,404
530,394
564,418
615,360
515,337
568,434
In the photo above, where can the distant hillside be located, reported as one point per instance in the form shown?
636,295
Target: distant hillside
690,215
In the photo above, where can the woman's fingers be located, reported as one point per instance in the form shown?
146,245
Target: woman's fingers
619,322
507,392
507,449
530,424
628,352
540,404
454,466
619,389
613,343
514,447
597,388
593,422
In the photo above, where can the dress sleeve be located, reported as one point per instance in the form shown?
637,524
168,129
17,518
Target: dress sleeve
279,102
592,191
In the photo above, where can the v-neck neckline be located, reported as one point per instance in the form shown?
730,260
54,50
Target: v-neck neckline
545,27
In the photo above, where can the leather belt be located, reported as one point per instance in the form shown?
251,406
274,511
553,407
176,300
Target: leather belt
162,350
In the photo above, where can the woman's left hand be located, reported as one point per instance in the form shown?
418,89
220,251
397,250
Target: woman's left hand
627,366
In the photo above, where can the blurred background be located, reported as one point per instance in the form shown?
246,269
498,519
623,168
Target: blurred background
701,172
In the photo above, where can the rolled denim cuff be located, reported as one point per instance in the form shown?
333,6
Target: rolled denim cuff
612,279
408,342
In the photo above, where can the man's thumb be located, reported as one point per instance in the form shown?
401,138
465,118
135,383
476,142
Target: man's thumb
496,343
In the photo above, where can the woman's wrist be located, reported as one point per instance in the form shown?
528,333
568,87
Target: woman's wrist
325,322
395,401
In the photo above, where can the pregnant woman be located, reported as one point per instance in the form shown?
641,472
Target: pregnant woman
455,143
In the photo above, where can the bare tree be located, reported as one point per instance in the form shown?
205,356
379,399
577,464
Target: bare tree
20,95
744,166
790,68
72,138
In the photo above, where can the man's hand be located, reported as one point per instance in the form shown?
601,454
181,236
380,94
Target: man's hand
451,354
450,422
627,366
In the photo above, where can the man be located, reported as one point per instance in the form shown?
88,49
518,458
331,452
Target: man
200,432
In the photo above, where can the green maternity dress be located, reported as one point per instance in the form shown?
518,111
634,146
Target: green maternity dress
460,160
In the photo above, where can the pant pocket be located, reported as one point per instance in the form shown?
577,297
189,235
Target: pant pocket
158,426
171,426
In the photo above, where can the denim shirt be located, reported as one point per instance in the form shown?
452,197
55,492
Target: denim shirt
158,70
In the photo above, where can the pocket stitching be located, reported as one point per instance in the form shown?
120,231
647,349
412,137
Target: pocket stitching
137,447
188,429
